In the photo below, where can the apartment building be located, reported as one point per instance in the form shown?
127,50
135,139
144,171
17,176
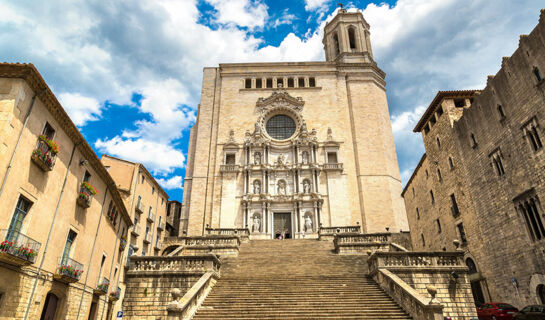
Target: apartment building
63,223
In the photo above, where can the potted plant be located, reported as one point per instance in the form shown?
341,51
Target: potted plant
86,193
44,155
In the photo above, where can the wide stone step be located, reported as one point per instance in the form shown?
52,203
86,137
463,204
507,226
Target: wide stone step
296,279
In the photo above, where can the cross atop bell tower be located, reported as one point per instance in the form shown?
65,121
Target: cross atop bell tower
347,38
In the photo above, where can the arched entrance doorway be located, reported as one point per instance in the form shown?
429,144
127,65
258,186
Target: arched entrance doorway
475,281
541,293
50,307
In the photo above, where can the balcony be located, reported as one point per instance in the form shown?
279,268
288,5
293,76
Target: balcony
158,245
122,243
140,207
135,230
86,193
18,249
102,287
69,271
45,154
147,238
161,225
333,166
114,296
151,217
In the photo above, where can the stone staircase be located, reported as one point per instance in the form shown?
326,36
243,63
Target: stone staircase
296,279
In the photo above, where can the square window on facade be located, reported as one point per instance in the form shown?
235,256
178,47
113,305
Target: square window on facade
332,157
301,82
248,83
311,82
259,83
230,158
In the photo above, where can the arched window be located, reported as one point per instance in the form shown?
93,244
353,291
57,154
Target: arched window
471,266
541,293
352,37
336,44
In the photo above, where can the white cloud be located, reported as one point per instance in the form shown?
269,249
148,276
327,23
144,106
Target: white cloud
81,109
159,158
90,53
171,183
312,5
285,18
243,13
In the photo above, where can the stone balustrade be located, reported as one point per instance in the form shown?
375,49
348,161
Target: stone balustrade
328,233
362,243
151,279
229,168
428,285
243,233
185,308
218,244
170,265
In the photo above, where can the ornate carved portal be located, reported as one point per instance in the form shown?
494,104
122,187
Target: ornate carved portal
280,193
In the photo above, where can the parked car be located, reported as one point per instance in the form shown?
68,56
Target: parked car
496,311
535,312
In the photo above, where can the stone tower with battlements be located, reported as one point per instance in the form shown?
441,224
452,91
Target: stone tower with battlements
282,148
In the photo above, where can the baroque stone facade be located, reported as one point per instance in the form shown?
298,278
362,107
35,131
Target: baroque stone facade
282,148
482,180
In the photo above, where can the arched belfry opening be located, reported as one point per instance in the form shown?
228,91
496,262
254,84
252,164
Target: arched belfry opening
352,37
336,44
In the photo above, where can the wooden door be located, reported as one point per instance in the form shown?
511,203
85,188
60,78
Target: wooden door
50,307
282,224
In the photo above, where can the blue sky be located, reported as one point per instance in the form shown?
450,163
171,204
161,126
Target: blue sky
129,72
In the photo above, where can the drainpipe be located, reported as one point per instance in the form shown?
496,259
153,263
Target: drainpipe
92,251
4,180
50,232
112,266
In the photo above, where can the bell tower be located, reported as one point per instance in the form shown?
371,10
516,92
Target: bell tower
347,38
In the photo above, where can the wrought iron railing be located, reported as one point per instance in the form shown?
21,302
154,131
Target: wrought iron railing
103,285
70,268
44,156
116,294
19,245
85,196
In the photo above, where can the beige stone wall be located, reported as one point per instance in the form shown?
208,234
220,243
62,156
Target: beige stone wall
498,238
43,189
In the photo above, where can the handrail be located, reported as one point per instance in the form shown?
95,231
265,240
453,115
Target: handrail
228,231
186,307
408,298
174,264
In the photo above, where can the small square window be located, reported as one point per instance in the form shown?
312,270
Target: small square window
290,83
459,103
230,158
301,82
258,83
248,83
311,82
152,190
269,82
332,157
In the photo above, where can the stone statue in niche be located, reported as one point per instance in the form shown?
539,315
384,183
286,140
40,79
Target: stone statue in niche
257,158
281,187
257,128
257,187
280,161
308,224
329,134
306,186
256,225
304,157
231,135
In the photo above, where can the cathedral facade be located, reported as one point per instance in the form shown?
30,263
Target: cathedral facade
282,148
